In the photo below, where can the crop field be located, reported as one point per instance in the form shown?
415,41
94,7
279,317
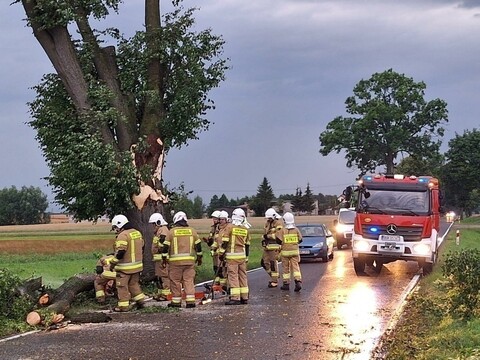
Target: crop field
87,237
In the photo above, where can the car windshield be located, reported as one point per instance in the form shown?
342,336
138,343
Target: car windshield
346,217
307,231
396,202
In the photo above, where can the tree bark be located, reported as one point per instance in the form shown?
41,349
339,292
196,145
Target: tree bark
65,294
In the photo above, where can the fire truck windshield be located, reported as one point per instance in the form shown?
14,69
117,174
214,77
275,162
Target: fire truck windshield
395,202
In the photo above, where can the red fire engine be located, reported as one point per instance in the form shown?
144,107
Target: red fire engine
398,218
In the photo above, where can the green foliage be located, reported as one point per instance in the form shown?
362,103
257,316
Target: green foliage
390,116
462,270
22,207
13,306
412,165
462,168
180,201
262,200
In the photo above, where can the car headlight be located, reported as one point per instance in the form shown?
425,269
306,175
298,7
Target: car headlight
361,245
422,249
340,228
318,245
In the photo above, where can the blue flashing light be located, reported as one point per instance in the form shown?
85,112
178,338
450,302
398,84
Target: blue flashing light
422,180
373,229
368,178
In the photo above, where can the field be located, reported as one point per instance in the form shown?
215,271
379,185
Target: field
58,251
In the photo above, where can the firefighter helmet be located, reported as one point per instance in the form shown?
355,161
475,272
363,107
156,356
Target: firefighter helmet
223,215
157,219
289,220
179,216
215,214
271,214
119,221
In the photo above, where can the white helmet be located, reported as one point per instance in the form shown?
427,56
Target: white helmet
289,220
223,215
179,216
119,221
158,219
271,214
238,216
215,214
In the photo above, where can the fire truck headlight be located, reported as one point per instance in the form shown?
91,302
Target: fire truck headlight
422,249
361,245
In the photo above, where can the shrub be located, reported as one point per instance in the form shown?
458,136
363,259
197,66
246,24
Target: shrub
462,271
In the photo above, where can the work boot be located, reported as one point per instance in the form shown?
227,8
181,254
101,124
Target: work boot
174,305
298,286
233,302
140,304
285,287
189,306
121,309
243,301
272,284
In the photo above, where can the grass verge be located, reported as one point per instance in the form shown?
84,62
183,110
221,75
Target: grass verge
426,330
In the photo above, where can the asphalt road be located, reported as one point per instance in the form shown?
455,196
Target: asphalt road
337,315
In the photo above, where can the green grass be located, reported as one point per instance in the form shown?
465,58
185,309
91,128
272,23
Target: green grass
425,331
55,269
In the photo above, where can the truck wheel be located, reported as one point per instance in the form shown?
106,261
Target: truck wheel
359,265
378,266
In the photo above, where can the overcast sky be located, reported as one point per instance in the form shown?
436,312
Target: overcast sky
293,64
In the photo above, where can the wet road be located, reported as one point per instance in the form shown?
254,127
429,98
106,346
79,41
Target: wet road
337,315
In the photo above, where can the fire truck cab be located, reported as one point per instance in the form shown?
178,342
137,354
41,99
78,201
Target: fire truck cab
397,218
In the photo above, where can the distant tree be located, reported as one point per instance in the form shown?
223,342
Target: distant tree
213,205
297,204
390,117
22,207
198,208
461,172
308,201
263,199
411,165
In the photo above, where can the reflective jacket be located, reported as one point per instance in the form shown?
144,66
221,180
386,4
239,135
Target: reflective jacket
131,241
234,240
182,246
290,238
270,230
157,242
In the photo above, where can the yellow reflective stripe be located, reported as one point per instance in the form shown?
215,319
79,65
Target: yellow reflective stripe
182,232
239,232
132,250
176,300
244,290
286,276
290,239
237,256
191,242
99,293
178,257
130,266
198,241
120,243
140,296
107,274
166,242
297,274
175,245
235,291
123,303
272,247
289,252
157,257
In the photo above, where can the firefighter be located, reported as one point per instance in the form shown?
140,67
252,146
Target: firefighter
234,250
127,263
105,279
182,249
271,248
221,269
162,279
289,238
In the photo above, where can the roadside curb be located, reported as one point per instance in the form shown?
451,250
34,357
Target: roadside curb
377,351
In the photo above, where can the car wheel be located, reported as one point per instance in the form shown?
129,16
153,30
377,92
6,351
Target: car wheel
359,266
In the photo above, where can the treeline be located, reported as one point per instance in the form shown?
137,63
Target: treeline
22,207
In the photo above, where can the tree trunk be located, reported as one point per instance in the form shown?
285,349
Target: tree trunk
30,288
66,293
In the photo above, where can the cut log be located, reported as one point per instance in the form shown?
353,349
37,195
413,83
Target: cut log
65,294
61,299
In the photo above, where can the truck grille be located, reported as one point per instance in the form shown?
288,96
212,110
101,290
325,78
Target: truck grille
409,233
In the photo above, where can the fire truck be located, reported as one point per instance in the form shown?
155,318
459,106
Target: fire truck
397,218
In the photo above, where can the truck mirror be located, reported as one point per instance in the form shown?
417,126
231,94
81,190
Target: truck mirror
366,194
347,193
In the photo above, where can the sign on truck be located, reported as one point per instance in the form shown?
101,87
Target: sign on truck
397,218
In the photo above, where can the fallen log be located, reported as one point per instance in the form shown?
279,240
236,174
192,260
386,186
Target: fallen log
61,299
31,288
